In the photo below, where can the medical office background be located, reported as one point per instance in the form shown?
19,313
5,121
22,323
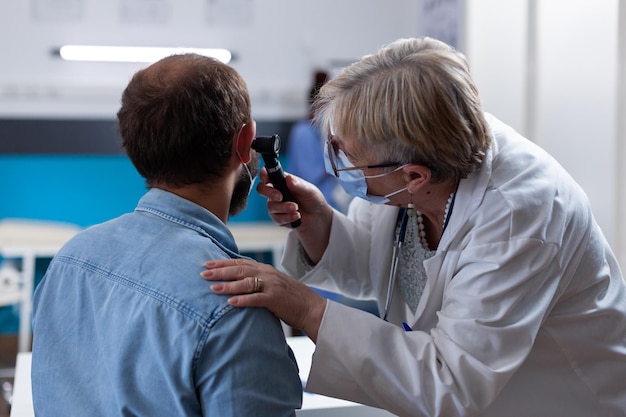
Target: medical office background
553,69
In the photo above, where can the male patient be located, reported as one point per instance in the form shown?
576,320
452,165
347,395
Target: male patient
123,323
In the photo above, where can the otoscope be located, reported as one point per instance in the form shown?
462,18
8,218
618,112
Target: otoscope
268,147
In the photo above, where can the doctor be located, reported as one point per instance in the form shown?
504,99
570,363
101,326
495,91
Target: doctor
497,291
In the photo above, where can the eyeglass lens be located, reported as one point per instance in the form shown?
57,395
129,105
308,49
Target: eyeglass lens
338,159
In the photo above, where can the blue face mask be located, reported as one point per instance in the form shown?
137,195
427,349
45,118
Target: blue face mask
354,182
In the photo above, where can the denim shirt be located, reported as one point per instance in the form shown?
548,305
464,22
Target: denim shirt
124,325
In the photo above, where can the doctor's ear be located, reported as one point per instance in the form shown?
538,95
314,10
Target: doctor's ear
244,140
416,176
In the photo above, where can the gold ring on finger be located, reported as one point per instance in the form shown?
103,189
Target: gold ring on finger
258,284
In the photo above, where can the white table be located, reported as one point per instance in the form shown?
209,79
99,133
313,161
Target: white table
22,404
313,405
28,240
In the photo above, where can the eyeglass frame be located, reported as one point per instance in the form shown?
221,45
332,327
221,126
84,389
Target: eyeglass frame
332,154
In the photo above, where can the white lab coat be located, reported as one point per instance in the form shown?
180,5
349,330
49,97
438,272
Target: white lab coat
523,314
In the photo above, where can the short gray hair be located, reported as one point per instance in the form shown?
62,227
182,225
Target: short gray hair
412,102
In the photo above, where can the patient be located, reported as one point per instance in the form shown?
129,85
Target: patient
123,324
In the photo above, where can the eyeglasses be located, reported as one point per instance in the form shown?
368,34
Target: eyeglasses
339,161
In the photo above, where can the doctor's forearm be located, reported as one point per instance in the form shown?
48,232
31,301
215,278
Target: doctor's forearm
314,234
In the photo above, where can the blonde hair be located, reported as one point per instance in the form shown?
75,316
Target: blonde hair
412,102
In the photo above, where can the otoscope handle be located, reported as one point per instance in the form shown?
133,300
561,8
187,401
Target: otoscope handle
277,178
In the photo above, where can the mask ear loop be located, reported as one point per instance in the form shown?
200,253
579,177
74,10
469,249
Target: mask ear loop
237,144
252,179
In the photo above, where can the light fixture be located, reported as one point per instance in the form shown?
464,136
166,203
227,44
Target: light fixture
133,53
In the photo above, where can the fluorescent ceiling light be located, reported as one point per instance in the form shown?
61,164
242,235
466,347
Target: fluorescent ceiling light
134,53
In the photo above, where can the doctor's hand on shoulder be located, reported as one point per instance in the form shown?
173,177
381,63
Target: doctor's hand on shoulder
254,284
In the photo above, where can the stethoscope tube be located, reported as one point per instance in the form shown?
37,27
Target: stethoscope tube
395,258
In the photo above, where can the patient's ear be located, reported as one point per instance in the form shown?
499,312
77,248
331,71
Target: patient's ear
416,177
244,140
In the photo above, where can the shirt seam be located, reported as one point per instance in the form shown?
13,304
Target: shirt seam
204,321
174,219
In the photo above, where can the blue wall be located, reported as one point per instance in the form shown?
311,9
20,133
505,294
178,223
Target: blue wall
80,189
75,170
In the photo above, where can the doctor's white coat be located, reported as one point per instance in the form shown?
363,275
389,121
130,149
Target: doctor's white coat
523,314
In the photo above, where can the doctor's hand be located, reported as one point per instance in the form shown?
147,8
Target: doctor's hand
310,206
255,284
310,202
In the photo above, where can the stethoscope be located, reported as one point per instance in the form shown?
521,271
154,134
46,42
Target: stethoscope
403,219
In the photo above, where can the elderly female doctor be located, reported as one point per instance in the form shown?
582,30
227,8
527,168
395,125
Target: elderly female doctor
498,293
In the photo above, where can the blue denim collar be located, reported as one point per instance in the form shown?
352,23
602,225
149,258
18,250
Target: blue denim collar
178,210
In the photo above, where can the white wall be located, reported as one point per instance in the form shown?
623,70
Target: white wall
576,109
550,69
496,47
620,155
278,43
